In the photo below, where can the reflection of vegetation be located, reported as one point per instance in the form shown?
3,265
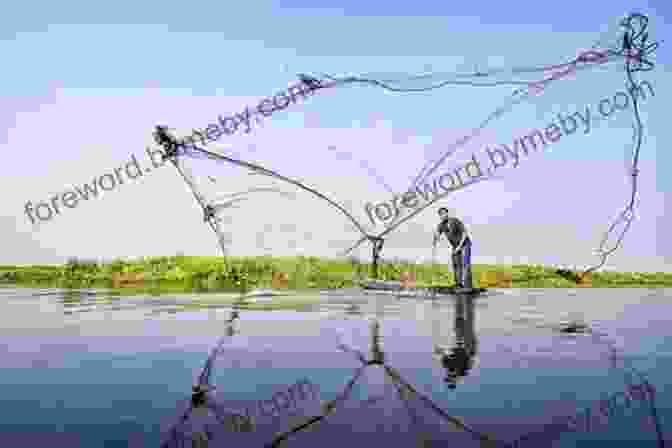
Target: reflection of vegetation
188,274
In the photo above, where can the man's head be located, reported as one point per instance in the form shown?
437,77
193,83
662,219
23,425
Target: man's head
443,212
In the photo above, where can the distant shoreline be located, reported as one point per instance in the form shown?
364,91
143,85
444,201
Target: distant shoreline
244,274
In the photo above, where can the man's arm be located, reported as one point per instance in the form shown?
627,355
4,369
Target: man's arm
463,239
437,235
459,246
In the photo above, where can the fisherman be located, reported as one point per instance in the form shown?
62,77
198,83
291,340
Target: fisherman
456,234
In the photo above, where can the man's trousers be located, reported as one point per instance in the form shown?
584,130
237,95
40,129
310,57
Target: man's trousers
462,265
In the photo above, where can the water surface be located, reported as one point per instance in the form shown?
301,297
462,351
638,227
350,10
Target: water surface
92,369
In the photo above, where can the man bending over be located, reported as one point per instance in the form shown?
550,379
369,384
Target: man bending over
456,234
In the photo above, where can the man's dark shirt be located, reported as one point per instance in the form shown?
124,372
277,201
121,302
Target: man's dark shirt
453,228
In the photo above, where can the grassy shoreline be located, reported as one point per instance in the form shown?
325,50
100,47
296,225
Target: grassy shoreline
216,274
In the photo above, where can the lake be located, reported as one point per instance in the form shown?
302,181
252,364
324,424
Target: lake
89,368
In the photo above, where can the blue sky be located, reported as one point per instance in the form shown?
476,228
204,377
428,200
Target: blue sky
84,84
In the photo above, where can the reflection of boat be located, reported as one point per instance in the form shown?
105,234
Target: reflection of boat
392,285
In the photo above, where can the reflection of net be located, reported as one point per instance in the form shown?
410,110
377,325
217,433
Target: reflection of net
644,391
192,428
629,372
203,406
426,420
413,400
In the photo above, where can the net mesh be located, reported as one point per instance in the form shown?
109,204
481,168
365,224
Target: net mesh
203,169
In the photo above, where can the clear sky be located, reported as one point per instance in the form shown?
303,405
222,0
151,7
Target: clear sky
84,83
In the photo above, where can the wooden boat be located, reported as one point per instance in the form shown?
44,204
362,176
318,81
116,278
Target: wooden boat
384,285
458,291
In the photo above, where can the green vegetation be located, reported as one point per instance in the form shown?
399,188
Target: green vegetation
209,274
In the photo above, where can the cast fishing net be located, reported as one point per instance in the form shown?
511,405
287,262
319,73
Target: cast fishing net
628,49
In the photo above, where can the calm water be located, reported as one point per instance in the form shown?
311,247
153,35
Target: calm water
88,369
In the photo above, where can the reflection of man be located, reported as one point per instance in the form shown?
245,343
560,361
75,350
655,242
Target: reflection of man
460,361
456,234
